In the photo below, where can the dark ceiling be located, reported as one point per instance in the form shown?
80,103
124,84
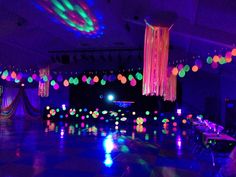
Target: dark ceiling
28,35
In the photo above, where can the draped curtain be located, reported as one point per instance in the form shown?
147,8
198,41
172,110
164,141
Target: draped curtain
155,67
20,102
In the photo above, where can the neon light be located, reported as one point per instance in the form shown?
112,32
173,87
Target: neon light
75,14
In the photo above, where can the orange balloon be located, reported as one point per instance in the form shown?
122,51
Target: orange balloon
195,68
66,83
13,75
123,80
175,71
96,79
119,77
228,60
216,58
233,52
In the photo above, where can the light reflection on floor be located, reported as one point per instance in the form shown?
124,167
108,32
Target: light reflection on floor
31,148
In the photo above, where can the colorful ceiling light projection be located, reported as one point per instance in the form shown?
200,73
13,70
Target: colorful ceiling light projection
74,13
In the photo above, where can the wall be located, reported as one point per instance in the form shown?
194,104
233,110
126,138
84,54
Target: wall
201,94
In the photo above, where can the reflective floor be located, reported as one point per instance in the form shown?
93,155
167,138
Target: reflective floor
58,149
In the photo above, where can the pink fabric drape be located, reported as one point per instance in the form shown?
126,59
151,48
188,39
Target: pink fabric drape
156,48
43,90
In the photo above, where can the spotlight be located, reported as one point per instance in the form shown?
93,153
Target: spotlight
110,97
179,112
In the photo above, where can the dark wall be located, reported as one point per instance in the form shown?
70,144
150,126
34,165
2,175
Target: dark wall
201,94
95,96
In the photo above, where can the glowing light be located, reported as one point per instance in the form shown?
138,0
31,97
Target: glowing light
147,113
184,121
182,73
110,97
63,107
130,77
123,80
180,66
139,76
96,79
53,112
123,119
228,60
48,107
222,60
95,114
30,79
108,144
76,81
139,120
119,77
186,68
103,82
209,60
175,71
174,124
214,65
13,75
233,52
108,160
84,78
195,68
75,15
56,86
133,82
72,112
71,80
66,83
228,55
216,58
53,82
179,112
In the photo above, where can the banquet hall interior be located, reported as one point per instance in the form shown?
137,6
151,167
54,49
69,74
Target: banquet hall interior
117,88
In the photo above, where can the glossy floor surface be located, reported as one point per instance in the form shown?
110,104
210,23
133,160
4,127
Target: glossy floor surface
47,149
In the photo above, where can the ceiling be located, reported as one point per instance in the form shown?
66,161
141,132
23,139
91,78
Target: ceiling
30,37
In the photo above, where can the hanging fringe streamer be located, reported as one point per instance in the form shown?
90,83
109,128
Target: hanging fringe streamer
171,87
44,82
156,48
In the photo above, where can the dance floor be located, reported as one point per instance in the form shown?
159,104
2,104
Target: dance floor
58,149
